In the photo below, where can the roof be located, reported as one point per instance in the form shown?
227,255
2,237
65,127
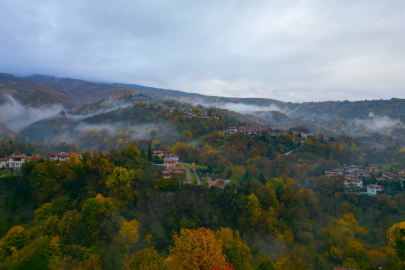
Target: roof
166,171
156,152
375,186
18,156
170,160
3,159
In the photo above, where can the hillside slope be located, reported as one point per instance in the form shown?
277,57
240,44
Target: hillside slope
82,92
30,93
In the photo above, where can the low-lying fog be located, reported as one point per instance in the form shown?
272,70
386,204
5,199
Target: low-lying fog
16,116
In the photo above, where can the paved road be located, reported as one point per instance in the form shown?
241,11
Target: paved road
195,173
188,175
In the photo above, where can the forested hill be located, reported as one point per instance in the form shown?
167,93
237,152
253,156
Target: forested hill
30,93
394,107
82,92
66,90
195,97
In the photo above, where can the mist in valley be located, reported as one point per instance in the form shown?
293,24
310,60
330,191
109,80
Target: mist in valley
17,116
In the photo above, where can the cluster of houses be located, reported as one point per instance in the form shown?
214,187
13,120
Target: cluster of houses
252,130
204,115
15,161
171,162
326,137
352,173
219,183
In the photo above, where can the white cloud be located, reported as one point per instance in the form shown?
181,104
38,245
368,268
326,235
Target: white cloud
287,50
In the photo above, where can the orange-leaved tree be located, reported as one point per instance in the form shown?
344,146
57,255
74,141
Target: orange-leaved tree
196,249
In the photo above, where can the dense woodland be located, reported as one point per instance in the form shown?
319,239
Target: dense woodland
116,211
280,211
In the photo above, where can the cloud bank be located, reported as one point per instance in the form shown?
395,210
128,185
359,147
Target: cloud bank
286,50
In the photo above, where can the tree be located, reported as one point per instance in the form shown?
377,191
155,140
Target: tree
236,250
272,220
399,246
145,259
264,262
254,209
210,169
196,249
129,232
261,178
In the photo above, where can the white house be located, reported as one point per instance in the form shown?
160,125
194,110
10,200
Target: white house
171,157
16,161
353,183
3,162
374,188
62,156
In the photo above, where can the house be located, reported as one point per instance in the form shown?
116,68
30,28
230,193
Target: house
373,169
62,156
219,183
170,171
354,183
16,161
329,174
37,157
170,163
374,189
387,175
171,157
363,173
158,153
338,171
401,171
3,163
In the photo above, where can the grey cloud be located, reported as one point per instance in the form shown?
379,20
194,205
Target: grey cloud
286,50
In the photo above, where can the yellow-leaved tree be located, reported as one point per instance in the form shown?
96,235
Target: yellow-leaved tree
196,249
129,232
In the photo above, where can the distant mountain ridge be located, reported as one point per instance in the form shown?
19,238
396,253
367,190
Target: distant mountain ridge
70,92
81,91
213,99
30,93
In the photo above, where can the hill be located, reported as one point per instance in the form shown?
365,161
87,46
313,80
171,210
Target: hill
195,97
30,93
82,92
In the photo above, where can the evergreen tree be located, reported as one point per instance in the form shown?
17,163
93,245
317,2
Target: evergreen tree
261,178
150,153
247,176
210,169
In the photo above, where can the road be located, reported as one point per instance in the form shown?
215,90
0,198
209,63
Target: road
195,173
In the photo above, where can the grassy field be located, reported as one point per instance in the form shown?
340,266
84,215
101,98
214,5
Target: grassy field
199,139
385,167
197,166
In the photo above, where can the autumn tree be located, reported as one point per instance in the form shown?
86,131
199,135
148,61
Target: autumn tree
236,250
196,249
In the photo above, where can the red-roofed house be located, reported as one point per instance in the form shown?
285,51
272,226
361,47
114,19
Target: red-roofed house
62,156
374,188
16,161
170,163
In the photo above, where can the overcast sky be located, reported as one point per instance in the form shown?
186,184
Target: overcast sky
285,50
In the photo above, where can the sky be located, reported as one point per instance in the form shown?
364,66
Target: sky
286,50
